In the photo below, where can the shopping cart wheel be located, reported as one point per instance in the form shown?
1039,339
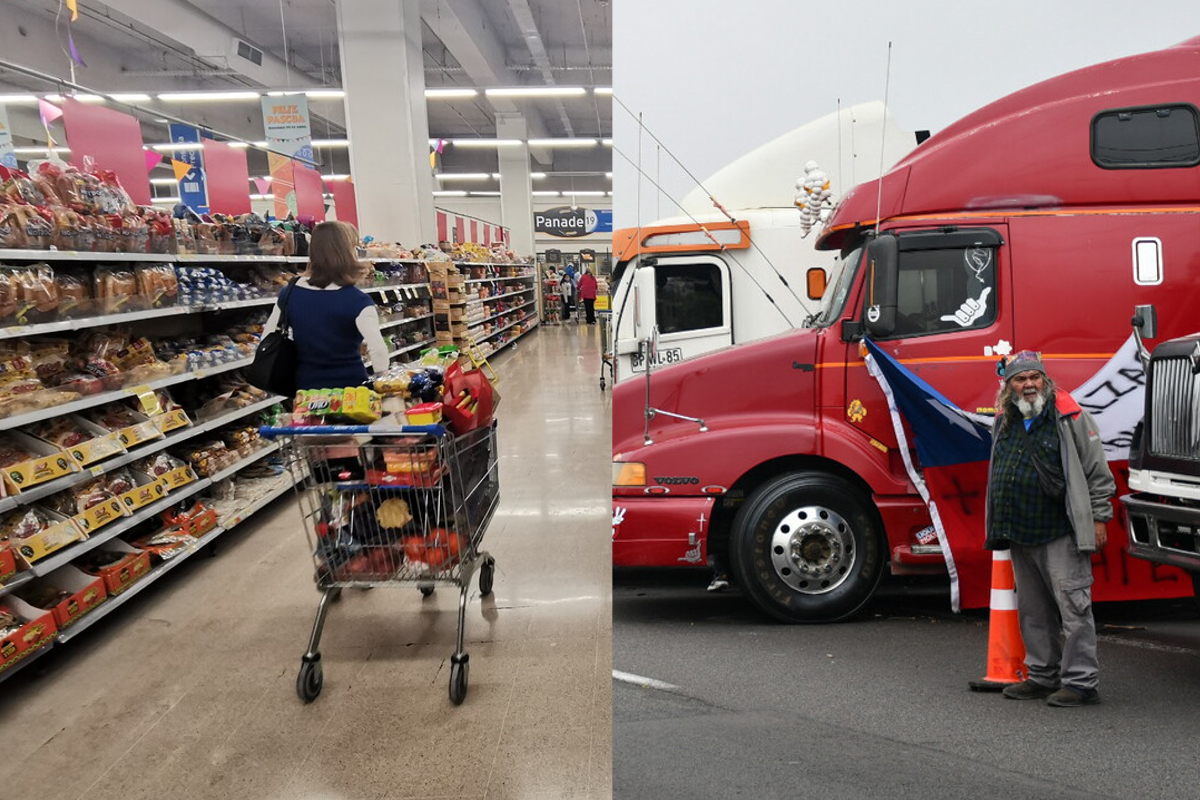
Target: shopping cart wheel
310,680
459,667
426,589
487,574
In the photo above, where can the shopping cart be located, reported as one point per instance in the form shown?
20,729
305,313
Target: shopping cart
606,349
390,506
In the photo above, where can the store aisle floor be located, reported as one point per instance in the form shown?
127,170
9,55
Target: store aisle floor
188,691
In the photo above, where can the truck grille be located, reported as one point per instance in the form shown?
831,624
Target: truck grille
1175,410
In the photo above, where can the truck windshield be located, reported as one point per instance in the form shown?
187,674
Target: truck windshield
835,300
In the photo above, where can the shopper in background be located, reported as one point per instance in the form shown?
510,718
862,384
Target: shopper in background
329,316
566,287
587,293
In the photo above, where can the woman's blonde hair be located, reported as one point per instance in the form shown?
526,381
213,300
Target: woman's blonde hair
333,255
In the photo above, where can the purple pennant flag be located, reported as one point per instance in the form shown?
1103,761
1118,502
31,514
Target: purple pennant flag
74,50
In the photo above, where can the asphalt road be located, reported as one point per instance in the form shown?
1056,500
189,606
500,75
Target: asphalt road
880,707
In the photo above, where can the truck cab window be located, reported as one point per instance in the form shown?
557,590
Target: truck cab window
945,290
689,297
1149,137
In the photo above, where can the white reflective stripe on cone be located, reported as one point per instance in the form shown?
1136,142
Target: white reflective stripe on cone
1004,600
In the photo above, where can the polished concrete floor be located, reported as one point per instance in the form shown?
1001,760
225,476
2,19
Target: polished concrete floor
188,691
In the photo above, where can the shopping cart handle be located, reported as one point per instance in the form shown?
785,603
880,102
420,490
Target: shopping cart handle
349,430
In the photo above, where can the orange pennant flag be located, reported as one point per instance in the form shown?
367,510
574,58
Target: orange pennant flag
181,168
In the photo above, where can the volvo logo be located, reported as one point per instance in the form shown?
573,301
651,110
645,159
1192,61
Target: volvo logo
676,481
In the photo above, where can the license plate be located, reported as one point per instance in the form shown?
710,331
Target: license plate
665,356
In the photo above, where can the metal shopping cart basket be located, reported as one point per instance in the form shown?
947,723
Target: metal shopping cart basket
390,506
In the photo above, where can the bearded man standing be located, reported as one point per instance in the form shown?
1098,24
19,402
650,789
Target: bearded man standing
1049,497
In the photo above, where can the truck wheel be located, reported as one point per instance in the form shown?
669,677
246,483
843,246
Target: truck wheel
805,547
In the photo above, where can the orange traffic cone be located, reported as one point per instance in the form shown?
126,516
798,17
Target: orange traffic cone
1006,649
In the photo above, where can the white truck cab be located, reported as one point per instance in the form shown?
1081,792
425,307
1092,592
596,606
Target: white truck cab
701,281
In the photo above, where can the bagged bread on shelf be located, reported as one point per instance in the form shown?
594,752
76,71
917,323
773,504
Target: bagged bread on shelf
74,292
62,432
158,284
71,230
134,236
18,187
104,235
162,229
36,293
116,289
185,238
25,227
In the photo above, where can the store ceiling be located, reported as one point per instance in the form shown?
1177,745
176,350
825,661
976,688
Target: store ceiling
182,44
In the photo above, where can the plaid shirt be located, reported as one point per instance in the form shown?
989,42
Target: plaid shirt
1021,513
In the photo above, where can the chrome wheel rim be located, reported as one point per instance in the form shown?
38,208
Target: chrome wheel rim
812,550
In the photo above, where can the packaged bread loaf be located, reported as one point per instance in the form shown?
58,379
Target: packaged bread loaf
116,289
74,292
104,236
158,285
36,293
20,188
71,231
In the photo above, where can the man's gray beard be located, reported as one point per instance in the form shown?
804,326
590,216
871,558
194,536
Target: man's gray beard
1029,409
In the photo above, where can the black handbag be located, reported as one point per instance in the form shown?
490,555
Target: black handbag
274,367
1051,480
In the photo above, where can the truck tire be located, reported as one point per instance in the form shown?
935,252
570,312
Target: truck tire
806,547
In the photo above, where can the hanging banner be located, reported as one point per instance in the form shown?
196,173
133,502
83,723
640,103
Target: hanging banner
460,230
310,193
344,198
8,156
193,186
568,222
443,227
109,140
474,231
286,125
228,178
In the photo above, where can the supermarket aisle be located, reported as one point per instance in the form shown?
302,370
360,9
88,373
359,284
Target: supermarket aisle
189,692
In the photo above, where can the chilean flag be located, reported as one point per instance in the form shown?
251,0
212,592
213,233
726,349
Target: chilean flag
953,449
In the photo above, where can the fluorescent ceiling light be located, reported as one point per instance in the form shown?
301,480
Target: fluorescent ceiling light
171,200
608,175
485,142
184,97
609,194
18,98
32,151
536,91
602,90
329,142
262,197
537,176
606,142
336,177
163,181
464,176
449,193
238,144
130,97
545,194
584,194
485,194
445,94
180,146
325,94
562,142
83,98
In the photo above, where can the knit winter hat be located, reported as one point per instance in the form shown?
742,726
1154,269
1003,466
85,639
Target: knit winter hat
1023,362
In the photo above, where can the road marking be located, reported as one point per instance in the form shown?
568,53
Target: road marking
648,683
1162,648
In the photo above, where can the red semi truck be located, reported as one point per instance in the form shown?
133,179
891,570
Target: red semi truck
1036,222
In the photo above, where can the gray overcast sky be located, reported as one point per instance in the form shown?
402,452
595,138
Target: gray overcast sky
713,79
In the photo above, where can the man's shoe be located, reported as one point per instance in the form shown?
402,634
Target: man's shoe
1068,697
1028,690
719,584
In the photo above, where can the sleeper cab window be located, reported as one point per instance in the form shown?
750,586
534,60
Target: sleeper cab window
1147,137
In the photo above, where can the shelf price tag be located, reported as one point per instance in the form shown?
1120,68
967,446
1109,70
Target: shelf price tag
148,401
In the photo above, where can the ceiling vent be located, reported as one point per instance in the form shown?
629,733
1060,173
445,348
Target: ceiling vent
249,52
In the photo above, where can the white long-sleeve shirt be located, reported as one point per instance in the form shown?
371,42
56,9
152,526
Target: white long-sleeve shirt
367,323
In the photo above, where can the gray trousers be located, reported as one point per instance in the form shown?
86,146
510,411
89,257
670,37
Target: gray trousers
1054,604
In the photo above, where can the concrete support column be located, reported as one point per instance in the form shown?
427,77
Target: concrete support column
384,78
516,187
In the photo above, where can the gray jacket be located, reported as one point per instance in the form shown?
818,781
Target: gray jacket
1090,484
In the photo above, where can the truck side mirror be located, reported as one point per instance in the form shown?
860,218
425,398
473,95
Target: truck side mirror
1145,326
817,282
644,303
1145,321
882,279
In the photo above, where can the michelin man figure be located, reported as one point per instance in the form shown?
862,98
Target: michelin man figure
813,196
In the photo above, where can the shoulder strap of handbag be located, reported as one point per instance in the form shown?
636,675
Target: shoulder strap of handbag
284,297
1035,454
